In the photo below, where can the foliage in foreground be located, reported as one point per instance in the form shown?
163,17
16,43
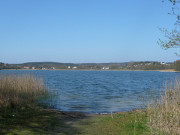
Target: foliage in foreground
164,114
17,91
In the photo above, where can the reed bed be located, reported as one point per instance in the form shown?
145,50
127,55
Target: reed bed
17,91
164,114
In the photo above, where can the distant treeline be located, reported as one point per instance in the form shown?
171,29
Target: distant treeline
8,66
144,65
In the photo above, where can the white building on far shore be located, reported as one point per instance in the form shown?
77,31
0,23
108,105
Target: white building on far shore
105,68
74,67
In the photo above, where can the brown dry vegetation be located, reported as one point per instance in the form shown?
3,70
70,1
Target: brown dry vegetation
18,91
164,114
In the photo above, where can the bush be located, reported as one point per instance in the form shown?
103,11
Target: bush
17,91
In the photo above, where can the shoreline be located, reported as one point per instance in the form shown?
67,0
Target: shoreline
163,70
92,114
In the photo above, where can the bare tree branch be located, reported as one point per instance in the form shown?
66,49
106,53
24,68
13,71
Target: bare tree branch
173,36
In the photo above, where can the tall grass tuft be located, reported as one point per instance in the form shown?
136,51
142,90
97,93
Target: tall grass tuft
17,91
164,114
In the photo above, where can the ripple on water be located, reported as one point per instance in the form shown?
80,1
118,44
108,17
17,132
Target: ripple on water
101,91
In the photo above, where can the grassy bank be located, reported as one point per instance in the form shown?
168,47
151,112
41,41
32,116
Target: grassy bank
64,123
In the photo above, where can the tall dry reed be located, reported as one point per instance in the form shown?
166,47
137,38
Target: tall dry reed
164,114
18,91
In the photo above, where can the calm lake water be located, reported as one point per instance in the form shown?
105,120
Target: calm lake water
101,91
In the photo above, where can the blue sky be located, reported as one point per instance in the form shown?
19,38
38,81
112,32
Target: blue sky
81,31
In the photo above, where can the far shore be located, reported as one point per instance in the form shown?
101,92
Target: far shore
168,70
163,70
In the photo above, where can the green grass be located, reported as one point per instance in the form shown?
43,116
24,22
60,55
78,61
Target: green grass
36,122
125,123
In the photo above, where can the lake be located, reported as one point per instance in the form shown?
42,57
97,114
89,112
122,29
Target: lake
101,91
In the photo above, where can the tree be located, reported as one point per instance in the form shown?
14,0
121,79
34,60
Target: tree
173,36
177,65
